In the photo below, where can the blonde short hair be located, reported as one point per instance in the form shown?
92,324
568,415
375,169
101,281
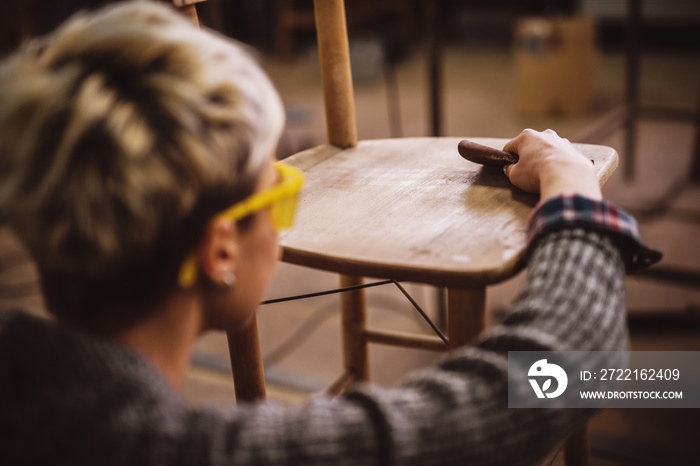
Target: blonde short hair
120,133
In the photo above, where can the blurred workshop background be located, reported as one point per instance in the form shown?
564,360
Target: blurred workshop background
623,73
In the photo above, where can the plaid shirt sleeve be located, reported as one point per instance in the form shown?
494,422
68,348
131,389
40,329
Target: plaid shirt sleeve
576,211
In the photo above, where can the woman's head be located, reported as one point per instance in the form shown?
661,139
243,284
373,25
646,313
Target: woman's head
121,134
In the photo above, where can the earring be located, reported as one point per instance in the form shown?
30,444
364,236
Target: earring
229,280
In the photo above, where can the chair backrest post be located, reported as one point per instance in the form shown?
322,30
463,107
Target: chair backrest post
191,12
334,53
187,7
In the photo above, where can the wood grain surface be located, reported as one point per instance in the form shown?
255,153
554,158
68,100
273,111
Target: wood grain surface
412,209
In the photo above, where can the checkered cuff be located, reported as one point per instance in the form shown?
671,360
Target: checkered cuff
575,211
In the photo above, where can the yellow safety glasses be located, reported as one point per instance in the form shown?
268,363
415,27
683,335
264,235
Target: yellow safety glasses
281,199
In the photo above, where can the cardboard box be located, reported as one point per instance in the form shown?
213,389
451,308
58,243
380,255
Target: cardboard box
555,65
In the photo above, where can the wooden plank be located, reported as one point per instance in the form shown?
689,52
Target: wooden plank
412,209
405,340
341,383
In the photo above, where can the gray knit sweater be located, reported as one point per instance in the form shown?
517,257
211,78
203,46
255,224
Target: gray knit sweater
67,398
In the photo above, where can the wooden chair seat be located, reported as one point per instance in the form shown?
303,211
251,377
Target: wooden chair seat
413,209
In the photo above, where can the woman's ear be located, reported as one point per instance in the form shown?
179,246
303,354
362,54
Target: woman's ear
219,253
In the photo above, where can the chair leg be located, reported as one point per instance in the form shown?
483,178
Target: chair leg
354,324
577,449
191,12
334,52
246,363
466,315
243,346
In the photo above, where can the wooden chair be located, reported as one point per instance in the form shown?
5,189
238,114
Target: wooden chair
405,209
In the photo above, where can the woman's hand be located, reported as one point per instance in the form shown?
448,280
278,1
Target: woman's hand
551,166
